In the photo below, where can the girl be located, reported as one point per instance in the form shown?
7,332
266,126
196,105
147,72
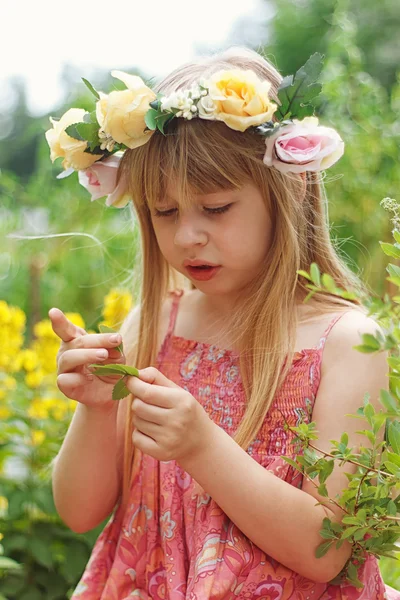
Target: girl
228,351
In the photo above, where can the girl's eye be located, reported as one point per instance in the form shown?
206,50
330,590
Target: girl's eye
212,211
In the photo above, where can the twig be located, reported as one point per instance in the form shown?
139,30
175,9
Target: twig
349,461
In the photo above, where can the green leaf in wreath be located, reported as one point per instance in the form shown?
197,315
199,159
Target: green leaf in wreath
295,93
150,118
91,88
72,131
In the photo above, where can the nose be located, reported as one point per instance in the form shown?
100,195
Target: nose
189,232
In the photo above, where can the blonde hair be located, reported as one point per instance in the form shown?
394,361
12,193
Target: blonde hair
204,157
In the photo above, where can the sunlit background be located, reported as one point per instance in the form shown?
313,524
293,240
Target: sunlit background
84,267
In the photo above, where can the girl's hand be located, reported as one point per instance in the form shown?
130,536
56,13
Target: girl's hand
170,424
79,349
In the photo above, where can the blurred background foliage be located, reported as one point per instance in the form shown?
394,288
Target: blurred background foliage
93,247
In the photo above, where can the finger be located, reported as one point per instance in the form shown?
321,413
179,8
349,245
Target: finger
156,395
95,340
147,428
155,377
68,382
71,359
63,327
148,412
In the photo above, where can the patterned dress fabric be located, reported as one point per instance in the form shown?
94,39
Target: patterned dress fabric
174,542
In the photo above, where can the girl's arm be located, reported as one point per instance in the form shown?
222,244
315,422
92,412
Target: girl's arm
87,472
281,519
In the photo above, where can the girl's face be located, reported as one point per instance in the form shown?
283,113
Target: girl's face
231,229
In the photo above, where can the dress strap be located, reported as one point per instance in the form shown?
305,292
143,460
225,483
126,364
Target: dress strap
323,339
176,296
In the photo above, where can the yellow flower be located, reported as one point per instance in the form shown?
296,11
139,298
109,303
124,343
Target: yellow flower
241,99
38,409
43,329
17,318
66,147
117,305
34,379
5,314
29,360
76,319
38,437
121,113
4,412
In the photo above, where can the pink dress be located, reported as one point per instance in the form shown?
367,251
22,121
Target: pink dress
174,542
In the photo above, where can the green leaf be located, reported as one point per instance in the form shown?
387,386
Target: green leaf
117,369
91,88
387,400
41,552
371,341
304,274
350,531
352,573
344,439
328,282
396,235
393,270
120,390
322,549
315,274
8,563
89,132
364,349
72,131
394,436
295,93
392,510
390,250
150,118
322,490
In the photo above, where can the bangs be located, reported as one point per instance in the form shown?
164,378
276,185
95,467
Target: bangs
197,157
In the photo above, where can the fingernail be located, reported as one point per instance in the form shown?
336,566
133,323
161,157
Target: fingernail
115,339
101,353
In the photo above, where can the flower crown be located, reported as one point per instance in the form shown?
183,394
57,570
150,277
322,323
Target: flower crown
93,143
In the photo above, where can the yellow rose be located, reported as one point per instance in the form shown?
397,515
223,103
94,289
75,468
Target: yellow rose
66,147
121,113
241,99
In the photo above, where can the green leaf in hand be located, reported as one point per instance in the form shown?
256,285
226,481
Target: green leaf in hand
120,390
114,370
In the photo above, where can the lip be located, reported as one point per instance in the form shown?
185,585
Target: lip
198,263
202,275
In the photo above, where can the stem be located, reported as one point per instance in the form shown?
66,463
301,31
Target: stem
329,500
349,461
359,489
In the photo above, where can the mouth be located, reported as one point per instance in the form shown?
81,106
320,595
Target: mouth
203,272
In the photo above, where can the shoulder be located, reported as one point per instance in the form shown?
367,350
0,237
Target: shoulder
345,370
346,333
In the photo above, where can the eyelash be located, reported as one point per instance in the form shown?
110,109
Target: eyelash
213,211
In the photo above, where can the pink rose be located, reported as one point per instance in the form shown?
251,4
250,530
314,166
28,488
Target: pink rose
101,180
303,146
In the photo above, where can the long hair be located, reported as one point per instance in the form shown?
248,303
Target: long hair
204,157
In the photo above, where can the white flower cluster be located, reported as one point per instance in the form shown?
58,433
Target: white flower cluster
194,102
